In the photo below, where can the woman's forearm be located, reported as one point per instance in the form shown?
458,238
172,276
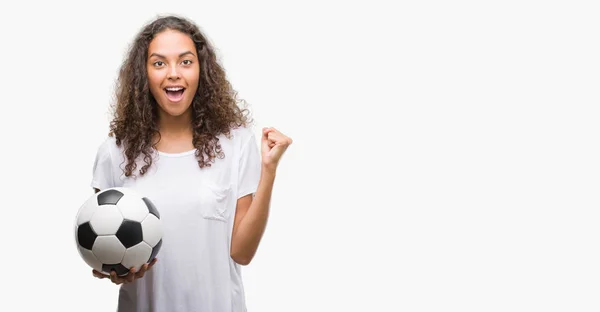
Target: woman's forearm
251,228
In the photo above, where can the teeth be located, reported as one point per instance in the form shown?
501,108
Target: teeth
174,89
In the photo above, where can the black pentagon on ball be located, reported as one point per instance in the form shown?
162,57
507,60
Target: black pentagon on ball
130,233
86,236
109,197
155,251
151,207
118,268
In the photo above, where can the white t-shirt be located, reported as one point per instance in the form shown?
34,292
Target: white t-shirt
194,271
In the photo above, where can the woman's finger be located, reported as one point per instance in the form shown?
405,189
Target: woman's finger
146,267
142,271
131,275
98,274
115,278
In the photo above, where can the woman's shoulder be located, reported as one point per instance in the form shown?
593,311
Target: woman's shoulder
242,134
108,148
108,143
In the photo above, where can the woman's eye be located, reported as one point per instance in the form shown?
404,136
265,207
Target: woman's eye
158,63
187,62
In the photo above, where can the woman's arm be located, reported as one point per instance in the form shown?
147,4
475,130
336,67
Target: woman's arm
251,219
252,213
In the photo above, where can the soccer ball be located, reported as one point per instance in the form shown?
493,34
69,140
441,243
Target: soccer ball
117,229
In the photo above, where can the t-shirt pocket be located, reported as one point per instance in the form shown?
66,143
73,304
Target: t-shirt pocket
214,201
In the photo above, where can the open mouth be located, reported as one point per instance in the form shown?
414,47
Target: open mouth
174,94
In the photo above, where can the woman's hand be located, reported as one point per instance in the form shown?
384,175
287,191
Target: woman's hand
126,279
274,144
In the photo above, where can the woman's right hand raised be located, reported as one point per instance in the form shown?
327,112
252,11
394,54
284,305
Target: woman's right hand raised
126,279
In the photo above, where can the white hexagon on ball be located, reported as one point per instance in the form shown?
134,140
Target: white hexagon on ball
152,229
106,220
137,256
132,208
87,210
108,249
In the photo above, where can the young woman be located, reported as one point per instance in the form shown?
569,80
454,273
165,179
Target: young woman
179,138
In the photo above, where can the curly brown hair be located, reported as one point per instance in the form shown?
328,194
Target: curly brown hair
214,107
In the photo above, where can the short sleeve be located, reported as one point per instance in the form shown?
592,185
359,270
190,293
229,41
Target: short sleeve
249,168
102,169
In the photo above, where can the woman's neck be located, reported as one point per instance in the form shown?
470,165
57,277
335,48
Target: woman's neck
175,126
176,133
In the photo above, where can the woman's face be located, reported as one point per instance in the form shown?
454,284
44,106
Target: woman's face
173,71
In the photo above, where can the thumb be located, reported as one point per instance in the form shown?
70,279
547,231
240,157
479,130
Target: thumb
264,140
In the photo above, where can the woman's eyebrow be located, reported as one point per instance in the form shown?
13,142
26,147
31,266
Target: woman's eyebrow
180,55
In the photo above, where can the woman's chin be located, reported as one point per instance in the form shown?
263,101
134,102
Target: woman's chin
175,110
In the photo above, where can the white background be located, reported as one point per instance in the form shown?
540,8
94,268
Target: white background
445,154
